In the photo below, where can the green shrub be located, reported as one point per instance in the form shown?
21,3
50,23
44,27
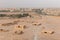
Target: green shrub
3,15
4,10
20,15
15,15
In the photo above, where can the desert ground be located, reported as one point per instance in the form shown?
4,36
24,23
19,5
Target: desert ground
36,27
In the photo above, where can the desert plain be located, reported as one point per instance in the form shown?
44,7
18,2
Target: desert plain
35,25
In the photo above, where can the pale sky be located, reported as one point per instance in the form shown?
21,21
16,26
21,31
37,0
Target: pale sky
29,3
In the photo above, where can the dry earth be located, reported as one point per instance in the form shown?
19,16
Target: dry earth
41,27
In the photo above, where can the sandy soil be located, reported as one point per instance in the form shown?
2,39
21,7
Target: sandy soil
39,26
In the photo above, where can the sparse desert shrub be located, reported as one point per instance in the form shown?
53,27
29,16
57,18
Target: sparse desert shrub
37,24
3,15
2,30
48,32
15,15
16,21
4,10
9,24
19,32
19,15
19,29
23,26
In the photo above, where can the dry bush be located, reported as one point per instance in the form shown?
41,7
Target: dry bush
48,32
19,15
19,32
11,23
3,15
37,24
15,22
19,29
4,10
15,15
2,30
7,24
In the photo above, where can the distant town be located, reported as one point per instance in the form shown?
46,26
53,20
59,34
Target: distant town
17,9
43,11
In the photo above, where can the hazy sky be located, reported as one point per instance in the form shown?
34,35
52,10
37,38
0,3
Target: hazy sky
29,3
